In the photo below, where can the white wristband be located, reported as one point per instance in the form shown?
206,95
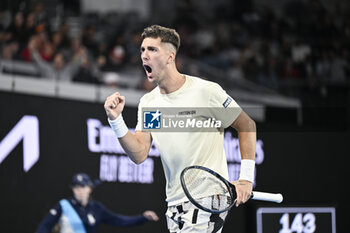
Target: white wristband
119,127
247,170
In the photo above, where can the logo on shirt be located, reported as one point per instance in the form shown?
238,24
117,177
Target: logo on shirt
188,112
152,119
227,102
91,219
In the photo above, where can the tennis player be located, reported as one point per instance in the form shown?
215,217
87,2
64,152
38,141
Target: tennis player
181,149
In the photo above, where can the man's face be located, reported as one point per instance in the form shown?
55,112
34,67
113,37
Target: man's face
58,62
155,56
82,193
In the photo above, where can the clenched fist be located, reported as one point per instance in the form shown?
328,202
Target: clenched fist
114,105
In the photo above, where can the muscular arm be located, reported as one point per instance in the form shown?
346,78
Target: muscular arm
246,129
135,145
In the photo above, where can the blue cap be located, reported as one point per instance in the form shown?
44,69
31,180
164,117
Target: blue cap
82,179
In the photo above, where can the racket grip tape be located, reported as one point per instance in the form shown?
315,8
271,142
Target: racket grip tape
262,196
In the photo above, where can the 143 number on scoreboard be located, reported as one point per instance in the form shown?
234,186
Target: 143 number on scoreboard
301,223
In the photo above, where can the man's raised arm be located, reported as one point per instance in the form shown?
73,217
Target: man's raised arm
135,145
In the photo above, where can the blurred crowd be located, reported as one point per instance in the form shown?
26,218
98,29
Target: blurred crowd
303,43
60,52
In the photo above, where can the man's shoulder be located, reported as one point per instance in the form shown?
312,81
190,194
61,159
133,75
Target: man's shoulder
203,83
150,95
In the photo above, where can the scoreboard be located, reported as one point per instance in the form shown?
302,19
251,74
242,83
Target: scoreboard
296,220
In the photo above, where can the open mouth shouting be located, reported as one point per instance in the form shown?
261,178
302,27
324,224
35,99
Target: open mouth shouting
148,70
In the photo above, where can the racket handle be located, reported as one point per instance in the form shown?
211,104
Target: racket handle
262,196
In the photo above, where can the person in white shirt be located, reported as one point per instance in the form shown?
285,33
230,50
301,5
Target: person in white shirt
181,149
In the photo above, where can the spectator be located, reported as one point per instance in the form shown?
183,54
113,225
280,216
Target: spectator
60,69
338,67
117,54
75,48
16,31
44,45
289,71
236,72
9,50
40,12
30,25
133,49
57,40
88,40
4,23
322,67
87,72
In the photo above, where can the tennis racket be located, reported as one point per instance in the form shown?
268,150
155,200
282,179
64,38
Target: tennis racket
200,182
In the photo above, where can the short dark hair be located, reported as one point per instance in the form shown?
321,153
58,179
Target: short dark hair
167,35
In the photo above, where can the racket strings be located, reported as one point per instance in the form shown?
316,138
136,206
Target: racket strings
220,202
200,183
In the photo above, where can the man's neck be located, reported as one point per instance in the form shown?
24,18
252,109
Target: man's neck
83,203
172,82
